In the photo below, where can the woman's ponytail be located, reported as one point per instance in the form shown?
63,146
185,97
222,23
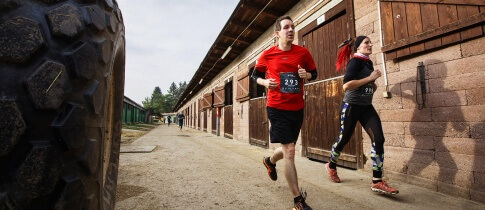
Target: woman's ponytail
343,56
346,48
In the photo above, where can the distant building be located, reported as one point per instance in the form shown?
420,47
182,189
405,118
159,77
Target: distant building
133,112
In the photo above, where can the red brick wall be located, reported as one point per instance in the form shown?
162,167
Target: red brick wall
442,146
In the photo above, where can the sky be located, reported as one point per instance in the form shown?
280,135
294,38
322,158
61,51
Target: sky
166,40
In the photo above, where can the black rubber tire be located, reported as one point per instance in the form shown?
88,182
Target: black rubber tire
62,66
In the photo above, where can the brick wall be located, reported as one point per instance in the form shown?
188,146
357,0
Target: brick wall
241,121
442,146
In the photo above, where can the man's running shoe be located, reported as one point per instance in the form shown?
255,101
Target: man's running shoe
382,187
332,173
300,204
271,168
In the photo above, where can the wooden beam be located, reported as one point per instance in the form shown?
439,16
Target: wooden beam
254,28
215,70
240,39
210,59
257,8
257,142
326,153
243,74
472,20
219,88
458,2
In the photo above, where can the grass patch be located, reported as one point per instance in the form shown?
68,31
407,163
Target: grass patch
135,128
143,127
131,132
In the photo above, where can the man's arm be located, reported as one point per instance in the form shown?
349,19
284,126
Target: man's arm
258,77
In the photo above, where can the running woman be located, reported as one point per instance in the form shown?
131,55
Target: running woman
285,66
359,86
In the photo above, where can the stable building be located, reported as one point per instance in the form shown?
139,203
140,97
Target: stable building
133,112
430,98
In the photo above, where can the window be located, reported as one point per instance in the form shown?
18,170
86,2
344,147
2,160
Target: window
255,90
228,93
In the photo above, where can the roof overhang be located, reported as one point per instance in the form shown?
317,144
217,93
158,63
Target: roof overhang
243,28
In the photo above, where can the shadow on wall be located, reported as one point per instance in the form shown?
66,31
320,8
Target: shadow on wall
437,117
478,131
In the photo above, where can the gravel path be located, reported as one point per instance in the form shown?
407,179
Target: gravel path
190,169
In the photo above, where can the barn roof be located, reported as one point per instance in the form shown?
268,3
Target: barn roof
243,27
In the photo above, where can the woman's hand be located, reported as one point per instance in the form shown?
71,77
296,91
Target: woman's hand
354,84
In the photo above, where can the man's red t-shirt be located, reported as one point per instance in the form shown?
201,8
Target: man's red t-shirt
274,61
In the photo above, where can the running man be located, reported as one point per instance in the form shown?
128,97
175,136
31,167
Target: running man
181,118
359,86
285,65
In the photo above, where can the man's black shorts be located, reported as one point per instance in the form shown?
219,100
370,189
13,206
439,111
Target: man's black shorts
285,125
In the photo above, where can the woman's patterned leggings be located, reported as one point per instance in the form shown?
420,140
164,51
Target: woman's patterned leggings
368,118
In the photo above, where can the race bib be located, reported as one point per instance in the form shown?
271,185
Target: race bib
289,82
367,89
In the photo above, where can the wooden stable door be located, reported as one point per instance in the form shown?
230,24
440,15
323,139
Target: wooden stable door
199,118
214,120
228,127
321,127
205,116
258,123
323,98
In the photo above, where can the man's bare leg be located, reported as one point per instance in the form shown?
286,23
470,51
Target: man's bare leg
290,169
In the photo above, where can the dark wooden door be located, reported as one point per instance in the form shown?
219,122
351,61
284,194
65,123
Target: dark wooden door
258,123
206,114
192,115
323,98
228,127
199,115
213,120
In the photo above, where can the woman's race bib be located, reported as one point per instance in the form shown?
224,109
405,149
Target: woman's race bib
289,82
367,89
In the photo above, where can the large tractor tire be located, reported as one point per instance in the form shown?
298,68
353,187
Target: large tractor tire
62,68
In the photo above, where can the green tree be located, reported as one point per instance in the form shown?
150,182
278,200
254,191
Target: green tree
174,93
158,99
161,103
180,89
170,97
156,103
147,103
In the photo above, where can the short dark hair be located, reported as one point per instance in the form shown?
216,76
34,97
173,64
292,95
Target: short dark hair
277,26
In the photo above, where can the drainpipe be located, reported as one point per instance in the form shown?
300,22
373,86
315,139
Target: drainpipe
385,94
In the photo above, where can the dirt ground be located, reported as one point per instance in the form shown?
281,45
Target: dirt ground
190,169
